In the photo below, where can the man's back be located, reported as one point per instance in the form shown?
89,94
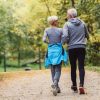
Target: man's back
76,33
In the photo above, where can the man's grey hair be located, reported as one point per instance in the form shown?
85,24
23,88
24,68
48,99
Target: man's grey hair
72,12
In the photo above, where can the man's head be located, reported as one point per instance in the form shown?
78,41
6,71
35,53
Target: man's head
71,13
53,20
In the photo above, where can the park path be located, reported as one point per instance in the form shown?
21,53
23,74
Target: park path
35,85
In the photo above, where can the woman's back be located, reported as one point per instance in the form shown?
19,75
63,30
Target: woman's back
53,34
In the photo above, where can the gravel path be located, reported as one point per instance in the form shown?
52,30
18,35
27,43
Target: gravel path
35,85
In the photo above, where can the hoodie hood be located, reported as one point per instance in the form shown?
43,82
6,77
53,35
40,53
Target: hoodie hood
75,21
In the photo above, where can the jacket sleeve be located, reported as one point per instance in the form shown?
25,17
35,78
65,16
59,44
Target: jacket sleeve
86,31
65,35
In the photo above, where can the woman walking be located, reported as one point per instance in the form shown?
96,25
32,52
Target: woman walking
55,52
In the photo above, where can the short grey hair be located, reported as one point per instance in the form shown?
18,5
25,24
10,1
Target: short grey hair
52,18
72,12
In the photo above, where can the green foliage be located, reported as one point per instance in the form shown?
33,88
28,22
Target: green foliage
93,54
22,24
93,51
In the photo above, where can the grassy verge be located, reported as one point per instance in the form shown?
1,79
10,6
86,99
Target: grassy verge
32,66
93,68
36,67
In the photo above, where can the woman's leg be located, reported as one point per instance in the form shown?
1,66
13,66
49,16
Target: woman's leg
56,77
52,72
57,74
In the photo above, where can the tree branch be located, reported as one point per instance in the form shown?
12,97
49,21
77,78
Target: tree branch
47,7
73,3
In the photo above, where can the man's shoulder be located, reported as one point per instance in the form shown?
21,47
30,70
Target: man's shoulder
81,21
67,24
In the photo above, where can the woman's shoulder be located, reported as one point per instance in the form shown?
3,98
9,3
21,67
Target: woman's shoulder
53,28
48,28
60,29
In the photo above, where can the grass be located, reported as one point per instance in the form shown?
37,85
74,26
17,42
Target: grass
15,67
10,69
36,67
93,68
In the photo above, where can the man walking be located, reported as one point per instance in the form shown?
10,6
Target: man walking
75,33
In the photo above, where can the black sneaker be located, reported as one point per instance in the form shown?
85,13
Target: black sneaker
55,91
74,88
52,86
58,90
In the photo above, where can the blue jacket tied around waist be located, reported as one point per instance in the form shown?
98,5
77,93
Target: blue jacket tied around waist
55,54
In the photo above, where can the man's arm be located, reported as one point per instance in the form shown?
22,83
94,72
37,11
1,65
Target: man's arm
86,32
65,35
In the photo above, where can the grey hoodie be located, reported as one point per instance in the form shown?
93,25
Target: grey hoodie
75,33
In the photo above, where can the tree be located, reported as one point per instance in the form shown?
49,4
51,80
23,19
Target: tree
73,3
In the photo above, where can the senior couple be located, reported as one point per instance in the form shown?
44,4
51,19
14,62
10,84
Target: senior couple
74,33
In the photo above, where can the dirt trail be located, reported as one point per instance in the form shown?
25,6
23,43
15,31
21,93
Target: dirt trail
35,85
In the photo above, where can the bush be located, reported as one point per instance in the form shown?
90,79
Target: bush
93,54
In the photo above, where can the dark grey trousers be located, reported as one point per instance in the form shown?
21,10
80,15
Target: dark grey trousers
77,54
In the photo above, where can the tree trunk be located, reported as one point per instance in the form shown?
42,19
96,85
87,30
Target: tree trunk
19,57
39,58
5,61
73,3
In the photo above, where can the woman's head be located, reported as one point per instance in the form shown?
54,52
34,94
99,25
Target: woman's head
53,20
71,13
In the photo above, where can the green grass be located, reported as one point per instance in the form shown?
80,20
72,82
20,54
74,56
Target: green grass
32,66
93,68
9,69
14,65
36,67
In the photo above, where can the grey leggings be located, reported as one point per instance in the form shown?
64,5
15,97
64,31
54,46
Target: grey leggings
56,73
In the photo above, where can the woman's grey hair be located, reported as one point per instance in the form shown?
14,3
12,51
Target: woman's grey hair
72,12
52,18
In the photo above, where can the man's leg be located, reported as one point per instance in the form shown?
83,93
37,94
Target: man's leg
81,58
73,58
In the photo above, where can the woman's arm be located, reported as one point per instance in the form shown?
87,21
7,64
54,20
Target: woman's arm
45,37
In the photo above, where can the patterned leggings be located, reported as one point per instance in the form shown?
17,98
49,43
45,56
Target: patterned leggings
56,73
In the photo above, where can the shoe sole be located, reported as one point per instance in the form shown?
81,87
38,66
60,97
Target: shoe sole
58,90
75,91
55,92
